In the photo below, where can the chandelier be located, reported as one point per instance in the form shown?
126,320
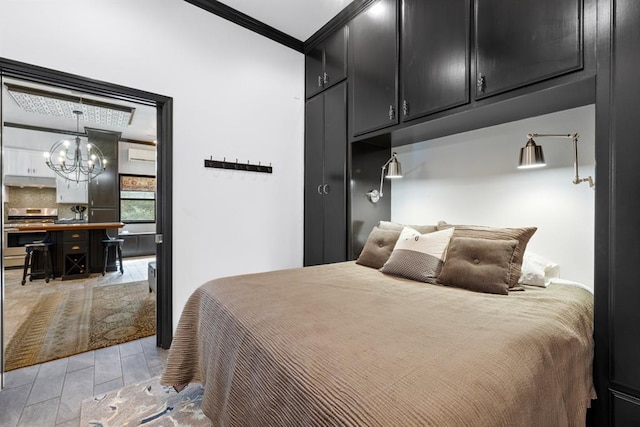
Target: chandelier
77,160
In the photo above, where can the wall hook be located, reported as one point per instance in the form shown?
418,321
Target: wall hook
249,167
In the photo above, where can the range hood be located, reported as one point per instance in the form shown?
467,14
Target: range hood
29,181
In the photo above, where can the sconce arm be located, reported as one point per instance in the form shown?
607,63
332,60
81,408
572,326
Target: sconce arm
574,137
374,195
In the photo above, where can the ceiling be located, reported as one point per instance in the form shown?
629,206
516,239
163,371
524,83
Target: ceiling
141,128
297,18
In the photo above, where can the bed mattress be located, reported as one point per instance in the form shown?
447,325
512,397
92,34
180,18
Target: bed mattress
345,345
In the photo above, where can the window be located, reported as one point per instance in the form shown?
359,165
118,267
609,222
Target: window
137,198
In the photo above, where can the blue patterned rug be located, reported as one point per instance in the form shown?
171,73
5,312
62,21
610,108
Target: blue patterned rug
146,404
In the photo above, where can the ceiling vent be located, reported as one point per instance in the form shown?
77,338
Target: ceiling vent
137,155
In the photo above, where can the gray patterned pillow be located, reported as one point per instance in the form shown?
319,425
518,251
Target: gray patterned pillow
418,256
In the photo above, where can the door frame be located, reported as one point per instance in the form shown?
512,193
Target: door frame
164,171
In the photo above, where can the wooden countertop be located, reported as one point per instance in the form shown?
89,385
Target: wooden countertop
71,226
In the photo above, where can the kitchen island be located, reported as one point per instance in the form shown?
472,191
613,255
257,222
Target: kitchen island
77,249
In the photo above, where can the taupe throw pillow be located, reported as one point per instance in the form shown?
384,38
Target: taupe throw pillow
522,235
378,247
479,265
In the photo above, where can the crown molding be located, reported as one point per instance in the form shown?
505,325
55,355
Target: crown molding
337,22
230,14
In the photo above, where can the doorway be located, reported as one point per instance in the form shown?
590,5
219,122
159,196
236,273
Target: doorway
163,222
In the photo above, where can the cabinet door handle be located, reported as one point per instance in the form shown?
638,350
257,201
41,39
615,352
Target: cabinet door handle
320,189
319,81
392,112
325,80
405,108
326,189
481,82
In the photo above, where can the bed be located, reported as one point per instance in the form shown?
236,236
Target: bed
346,345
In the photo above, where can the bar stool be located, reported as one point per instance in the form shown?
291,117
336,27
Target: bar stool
112,243
44,248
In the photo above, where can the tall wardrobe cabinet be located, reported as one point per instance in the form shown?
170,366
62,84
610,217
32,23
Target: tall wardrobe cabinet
325,210
617,292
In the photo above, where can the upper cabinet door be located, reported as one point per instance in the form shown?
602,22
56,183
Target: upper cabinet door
31,163
520,42
335,58
434,56
326,63
313,71
374,45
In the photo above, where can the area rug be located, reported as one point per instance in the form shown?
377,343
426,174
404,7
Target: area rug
69,322
147,403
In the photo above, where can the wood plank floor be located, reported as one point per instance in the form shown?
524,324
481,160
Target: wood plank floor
50,394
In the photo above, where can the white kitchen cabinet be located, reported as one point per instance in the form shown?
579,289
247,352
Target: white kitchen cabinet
71,191
21,162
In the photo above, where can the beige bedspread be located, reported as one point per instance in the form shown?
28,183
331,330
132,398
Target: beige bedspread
345,345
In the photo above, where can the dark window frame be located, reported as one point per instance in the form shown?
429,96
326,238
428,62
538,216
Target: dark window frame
121,199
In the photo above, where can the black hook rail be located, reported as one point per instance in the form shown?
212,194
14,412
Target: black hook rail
248,167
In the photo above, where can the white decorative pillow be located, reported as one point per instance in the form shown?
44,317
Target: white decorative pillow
537,270
418,256
422,229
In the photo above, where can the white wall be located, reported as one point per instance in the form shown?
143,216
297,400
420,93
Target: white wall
236,95
471,178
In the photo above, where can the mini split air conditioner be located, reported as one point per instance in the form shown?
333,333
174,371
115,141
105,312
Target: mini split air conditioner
136,155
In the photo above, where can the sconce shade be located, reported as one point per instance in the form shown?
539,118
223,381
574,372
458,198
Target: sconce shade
394,169
531,156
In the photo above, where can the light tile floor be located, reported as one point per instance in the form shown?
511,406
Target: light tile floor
50,394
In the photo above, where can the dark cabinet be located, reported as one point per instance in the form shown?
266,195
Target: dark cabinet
138,244
104,191
617,294
373,44
326,63
523,42
434,56
325,218
75,254
625,410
